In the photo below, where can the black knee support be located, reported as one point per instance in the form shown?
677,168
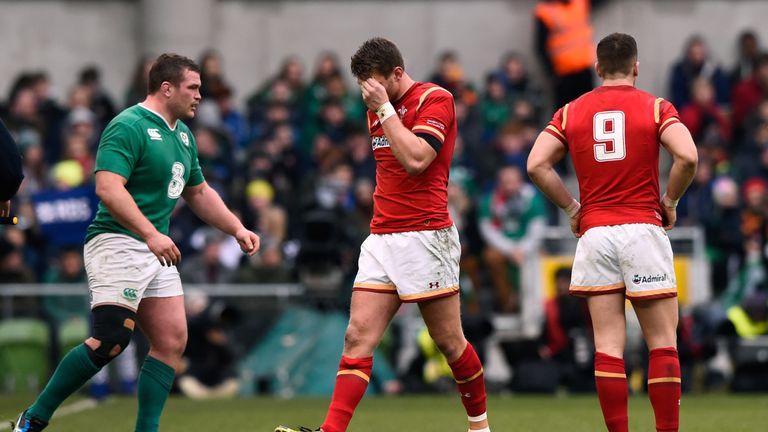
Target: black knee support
112,327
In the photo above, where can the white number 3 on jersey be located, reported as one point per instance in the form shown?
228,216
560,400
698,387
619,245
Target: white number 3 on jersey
608,127
176,186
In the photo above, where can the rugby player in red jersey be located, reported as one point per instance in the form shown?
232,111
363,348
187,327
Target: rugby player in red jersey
412,254
614,134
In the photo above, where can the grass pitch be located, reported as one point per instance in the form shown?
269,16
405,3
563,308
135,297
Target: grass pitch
409,414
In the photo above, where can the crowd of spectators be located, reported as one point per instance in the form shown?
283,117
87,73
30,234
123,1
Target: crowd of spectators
296,164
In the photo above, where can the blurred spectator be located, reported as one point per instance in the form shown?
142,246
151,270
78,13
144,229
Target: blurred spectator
747,327
511,148
214,152
495,109
706,120
69,269
137,88
696,207
566,335
12,266
448,73
76,148
269,220
564,46
749,92
81,122
362,211
100,102
526,99
696,63
33,163
747,54
286,88
233,121
211,74
209,357
361,154
211,265
723,233
512,220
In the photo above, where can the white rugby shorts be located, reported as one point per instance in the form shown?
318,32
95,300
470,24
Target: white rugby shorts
122,270
634,259
415,265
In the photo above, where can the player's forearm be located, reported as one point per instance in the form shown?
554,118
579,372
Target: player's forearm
208,206
123,208
685,157
413,153
550,183
680,177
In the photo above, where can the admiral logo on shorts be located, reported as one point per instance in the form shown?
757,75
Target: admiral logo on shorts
637,279
130,294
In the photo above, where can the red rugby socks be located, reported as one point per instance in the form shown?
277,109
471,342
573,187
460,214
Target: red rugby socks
468,373
351,383
611,380
664,388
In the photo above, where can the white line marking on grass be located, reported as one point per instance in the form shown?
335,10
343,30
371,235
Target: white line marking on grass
73,408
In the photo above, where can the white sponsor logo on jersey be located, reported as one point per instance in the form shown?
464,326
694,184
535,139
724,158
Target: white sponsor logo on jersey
378,142
184,138
154,134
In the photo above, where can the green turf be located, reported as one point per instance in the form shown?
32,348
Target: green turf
413,414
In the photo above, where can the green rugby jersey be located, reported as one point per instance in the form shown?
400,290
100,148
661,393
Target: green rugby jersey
158,162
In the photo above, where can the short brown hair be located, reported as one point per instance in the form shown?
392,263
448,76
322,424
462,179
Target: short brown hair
376,55
171,68
617,53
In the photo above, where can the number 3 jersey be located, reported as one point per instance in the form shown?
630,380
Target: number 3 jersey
613,136
158,161
402,202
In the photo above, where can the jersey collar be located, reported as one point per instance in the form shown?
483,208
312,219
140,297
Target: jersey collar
172,128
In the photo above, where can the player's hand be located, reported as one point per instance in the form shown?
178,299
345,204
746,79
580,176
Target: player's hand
164,249
248,240
668,215
374,94
5,208
575,224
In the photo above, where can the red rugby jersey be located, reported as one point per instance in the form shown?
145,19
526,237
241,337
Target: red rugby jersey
613,135
414,203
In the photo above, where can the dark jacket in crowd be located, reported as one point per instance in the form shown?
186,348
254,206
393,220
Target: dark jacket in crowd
10,165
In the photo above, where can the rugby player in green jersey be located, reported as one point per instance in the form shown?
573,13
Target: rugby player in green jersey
147,160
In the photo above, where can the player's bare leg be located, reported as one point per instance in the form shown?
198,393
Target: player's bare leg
370,314
443,319
609,324
658,319
163,321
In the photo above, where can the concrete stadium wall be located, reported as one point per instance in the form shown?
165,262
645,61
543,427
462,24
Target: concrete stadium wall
255,36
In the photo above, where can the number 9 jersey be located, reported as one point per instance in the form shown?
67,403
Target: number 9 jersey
613,135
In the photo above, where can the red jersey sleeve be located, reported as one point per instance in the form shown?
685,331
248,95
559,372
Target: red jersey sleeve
556,126
665,114
435,113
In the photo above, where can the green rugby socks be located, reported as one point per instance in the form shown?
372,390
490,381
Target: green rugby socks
74,370
155,382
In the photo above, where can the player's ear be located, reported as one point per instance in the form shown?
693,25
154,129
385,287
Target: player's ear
398,73
165,88
598,70
636,69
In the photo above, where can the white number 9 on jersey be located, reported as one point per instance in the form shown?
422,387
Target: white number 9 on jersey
608,126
